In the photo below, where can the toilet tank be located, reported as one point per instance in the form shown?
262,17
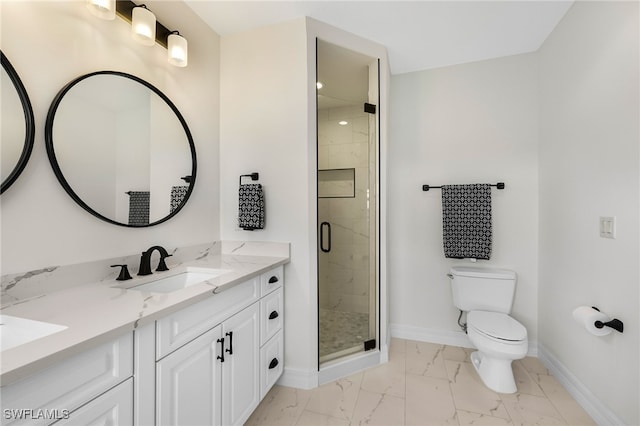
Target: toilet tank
482,289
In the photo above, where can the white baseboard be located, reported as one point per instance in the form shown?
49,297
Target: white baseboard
303,379
300,379
592,405
442,337
349,365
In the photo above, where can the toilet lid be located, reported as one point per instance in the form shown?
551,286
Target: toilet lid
497,325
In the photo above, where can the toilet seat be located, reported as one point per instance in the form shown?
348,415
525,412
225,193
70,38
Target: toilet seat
497,326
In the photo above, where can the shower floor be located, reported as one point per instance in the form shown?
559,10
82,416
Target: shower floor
342,330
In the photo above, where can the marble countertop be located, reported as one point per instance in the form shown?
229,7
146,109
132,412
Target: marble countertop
96,312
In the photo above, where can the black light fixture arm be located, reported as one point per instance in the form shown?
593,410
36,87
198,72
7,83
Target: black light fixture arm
124,9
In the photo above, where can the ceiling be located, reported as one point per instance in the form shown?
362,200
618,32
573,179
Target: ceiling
418,34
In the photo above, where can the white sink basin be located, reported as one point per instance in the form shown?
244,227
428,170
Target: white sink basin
179,280
16,331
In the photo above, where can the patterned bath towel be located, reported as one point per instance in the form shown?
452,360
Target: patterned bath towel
466,221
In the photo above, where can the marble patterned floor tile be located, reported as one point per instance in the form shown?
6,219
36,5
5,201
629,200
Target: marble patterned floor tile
533,365
309,418
397,345
378,409
425,384
429,402
425,359
456,353
568,408
336,399
526,410
524,382
387,378
281,406
470,393
468,418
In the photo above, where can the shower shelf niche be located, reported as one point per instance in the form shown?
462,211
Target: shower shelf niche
337,183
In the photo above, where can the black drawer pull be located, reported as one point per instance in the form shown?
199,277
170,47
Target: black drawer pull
273,364
221,356
273,315
230,350
273,279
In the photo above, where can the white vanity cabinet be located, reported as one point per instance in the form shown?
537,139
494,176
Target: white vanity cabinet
221,373
63,390
213,379
188,383
209,363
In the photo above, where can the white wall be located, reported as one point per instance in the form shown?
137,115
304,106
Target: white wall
589,167
472,123
264,128
51,43
268,126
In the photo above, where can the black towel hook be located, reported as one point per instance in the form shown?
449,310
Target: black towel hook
253,176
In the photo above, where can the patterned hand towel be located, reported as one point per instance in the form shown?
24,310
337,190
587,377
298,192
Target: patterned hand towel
177,196
466,221
251,207
139,207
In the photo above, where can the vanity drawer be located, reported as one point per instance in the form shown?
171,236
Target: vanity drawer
114,407
271,363
179,328
68,385
271,315
271,280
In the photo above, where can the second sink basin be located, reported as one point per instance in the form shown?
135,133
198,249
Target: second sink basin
178,280
16,331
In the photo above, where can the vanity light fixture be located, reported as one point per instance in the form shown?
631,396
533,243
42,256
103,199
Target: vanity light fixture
103,9
177,49
143,25
145,28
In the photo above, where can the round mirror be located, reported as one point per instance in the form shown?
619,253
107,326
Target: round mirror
121,149
17,131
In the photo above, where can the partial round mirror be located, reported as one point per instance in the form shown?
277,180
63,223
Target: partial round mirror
121,149
18,128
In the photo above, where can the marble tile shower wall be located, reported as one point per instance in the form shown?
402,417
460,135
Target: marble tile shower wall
344,272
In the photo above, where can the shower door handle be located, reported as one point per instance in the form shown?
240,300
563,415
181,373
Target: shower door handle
322,226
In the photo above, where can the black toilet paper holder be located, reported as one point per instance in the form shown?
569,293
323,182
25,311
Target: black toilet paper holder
615,323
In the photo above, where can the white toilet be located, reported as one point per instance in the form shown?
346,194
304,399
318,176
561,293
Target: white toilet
486,295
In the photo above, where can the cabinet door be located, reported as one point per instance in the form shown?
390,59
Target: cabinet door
188,383
240,370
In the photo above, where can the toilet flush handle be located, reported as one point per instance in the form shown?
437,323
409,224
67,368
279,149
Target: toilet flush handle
450,276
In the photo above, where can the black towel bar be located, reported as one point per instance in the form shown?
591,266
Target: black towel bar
499,185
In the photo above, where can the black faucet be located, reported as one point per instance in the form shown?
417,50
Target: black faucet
145,260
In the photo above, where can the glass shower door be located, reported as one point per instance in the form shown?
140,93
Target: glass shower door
346,294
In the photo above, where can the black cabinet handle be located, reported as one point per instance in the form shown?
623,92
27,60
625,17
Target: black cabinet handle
273,364
328,226
273,279
221,356
273,315
230,334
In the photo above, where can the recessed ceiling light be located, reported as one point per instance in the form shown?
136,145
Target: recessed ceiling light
319,85
343,123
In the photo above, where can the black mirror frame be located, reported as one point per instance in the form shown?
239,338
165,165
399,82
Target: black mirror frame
29,134
48,137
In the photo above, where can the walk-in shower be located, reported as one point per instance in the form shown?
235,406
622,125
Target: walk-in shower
347,202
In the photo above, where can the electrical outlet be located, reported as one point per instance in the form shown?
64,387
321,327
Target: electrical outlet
607,226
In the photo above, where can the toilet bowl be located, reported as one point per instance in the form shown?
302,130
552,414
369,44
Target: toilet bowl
499,339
